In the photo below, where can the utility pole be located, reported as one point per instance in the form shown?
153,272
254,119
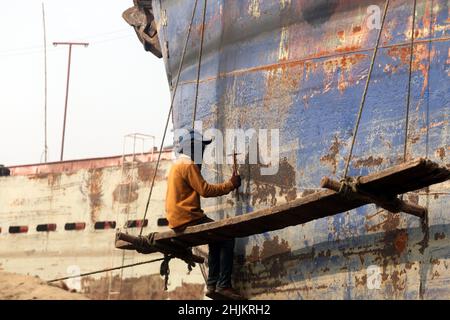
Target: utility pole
70,44
45,86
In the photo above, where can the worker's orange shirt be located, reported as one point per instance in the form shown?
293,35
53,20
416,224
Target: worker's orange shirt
185,185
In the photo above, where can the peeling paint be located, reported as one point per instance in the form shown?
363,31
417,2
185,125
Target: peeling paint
371,161
331,158
439,236
146,172
253,8
284,4
265,186
283,52
126,192
421,57
341,66
94,185
440,153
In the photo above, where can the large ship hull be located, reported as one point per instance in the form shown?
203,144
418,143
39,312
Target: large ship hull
301,67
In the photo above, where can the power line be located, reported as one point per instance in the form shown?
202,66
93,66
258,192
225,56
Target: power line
39,49
106,33
29,52
113,39
104,270
80,37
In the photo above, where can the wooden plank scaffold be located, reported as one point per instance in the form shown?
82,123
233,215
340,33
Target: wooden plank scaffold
382,188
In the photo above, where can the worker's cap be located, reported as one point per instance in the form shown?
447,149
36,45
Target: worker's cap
193,136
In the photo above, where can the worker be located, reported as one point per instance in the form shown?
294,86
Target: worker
185,185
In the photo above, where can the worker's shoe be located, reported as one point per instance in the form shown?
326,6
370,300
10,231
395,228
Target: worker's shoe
210,290
229,293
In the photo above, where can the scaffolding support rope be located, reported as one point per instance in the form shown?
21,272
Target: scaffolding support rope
168,115
200,53
105,270
408,97
363,100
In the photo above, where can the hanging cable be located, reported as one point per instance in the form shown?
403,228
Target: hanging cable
430,45
168,115
363,100
194,112
105,270
425,229
408,97
38,48
200,53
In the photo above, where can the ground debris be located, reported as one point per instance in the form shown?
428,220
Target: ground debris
23,287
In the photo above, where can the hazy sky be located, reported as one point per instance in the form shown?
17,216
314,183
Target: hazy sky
116,87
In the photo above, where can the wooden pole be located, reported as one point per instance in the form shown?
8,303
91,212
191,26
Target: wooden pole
70,44
393,204
45,86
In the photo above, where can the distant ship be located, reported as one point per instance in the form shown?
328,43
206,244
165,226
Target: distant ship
59,219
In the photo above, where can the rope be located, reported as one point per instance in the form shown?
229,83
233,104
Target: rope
363,101
105,270
165,270
199,63
194,112
425,228
427,150
408,97
168,115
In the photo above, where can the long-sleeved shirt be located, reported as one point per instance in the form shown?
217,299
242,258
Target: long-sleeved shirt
185,185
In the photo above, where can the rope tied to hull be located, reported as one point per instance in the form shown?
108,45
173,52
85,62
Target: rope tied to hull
145,242
104,270
169,113
164,270
410,70
366,88
199,64
349,186
194,111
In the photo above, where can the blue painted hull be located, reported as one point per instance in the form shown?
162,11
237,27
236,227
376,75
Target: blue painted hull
301,66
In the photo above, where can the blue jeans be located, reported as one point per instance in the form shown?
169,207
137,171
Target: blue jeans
220,263
220,257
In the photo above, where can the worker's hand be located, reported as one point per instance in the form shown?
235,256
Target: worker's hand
236,180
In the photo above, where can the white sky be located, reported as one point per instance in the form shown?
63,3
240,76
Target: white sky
116,87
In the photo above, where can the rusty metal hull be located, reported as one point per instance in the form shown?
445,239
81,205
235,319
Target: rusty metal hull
301,66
